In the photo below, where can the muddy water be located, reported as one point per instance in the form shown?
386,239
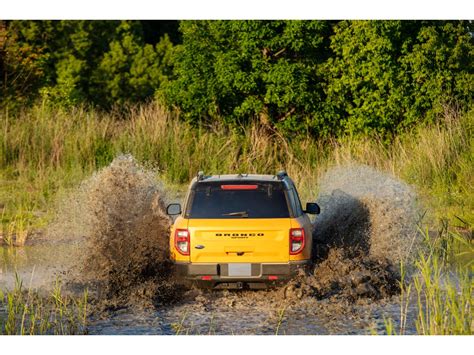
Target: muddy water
110,236
217,317
204,311
37,266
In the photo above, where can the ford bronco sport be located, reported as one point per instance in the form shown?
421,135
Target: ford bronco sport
241,230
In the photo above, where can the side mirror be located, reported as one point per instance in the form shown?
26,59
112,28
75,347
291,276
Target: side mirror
173,209
312,208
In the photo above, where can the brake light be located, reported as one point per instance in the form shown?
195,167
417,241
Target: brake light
239,187
181,241
296,240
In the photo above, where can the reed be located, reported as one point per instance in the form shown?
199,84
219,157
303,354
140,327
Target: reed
441,290
25,312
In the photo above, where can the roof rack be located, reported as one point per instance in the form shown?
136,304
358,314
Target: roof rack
281,175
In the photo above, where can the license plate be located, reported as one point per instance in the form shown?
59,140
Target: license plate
240,269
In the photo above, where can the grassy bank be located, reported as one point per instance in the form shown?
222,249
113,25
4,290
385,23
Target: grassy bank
44,151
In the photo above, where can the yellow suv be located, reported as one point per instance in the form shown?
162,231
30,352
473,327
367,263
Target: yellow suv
241,230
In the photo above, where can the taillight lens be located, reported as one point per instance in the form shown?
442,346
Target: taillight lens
181,241
296,240
239,187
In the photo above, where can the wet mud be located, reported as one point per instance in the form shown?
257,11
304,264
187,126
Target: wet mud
118,222
367,228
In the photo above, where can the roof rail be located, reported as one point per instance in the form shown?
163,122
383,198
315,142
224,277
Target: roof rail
200,176
281,175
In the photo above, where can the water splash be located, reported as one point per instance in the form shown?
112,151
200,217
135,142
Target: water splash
117,220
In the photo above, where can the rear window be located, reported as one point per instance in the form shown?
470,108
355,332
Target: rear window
238,200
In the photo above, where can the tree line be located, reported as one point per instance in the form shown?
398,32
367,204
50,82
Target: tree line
324,78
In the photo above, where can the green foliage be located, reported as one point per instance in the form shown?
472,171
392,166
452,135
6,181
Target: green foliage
325,78
328,78
22,66
388,75
362,89
26,312
239,69
71,62
132,70
439,68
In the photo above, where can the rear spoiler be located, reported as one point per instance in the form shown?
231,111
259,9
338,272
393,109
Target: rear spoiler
281,175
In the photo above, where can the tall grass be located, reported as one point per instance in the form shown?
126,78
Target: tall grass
441,289
44,151
24,312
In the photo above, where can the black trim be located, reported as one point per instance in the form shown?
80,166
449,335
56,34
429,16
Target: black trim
173,214
259,271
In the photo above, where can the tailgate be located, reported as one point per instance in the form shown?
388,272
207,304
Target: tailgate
237,241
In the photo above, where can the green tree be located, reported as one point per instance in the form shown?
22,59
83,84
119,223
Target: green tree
132,70
22,67
240,69
388,75
98,62
64,53
438,70
328,78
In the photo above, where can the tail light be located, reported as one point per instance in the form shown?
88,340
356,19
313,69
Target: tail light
239,187
296,240
181,241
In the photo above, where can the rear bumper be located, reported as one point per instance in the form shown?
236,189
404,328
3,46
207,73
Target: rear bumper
215,273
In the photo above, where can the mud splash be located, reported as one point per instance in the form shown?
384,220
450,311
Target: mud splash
367,227
345,275
117,220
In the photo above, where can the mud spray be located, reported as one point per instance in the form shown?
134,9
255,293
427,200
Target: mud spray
366,229
118,223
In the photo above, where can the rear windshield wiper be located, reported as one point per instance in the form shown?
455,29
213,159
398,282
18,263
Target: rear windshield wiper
238,214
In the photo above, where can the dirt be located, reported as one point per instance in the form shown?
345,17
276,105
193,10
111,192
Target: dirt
346,275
